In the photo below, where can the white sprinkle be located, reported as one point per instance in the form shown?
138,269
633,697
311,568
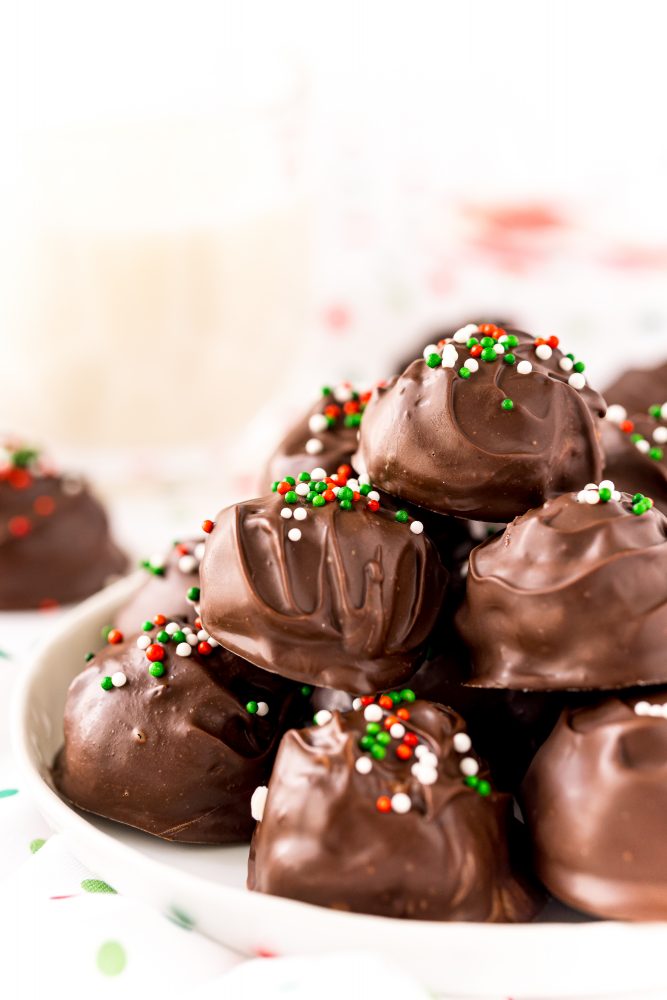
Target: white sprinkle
186,629
187,564
616,495
322,717
157,562
401,803
286,512
183,649
524,367
420,751
543,351
71,485
465,333
353,484
592,497
616,413
364,765
642,708
655,711
302,489
373,495
318,473
257,802
607,484
144,641
294,534
342,393
262,708
356,704
499,349
416,527
372,713
172,627
663,411
118,679
660,435
643,446
469,766
577,380
335,490
314,446
428,759
424,775
472,364
200,549
397,731
317,423
591,486
191,638
202,635
300,514
212,642
365,479
566,364
430,349
449,356
462,742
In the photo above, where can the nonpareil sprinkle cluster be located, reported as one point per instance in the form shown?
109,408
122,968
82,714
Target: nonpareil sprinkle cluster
606,491
653,447
344,407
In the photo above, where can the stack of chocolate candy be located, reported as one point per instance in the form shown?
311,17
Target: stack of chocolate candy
345,624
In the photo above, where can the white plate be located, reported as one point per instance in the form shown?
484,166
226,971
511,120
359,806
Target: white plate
205,885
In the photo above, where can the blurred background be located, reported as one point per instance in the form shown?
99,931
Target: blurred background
208,209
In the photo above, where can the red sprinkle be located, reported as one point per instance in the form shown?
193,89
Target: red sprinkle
197,623
553,342
284,488
207,526
476,350
204,648
403,713
383,804
390,721
627,426
373,504
159,620
20,479
344,470
367,699
403,751
384,701
19,526
333,411
329,495
411,739
114,637
155,652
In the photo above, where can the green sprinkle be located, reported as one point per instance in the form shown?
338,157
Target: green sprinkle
464,372
320,487
193,594
509,359
579,366
22,458
570,356
471,342
655,454
605,494
274,486
306,690
318,501
488,354
484,788
105,632
507,404
304,477
378,751
472,781
346,505
383,738
373,728
290,479
433,360
364,489
655,411
345,493
251,707
291,497
326,390
156,669
636,437
310,496
352,420
147,626
637,497
488,342
163,636
395,697
402,516
106,684
178,637
407,694
88,657
366,742
512,340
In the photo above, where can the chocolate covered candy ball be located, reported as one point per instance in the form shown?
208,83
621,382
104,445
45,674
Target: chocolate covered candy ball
638,388
573,595
55,545
171,585
326,436
635,448
171,738
488,424
595,800
388,810
329,589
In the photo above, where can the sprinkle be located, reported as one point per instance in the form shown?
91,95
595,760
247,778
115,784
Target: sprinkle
364,765
187,564
461,336
616,413
660,435
156,669
416,527
193,594
428,350
184,649
286,513
642,708
191,638
118,679
433,360
262,708
402,516
464,372
472,365
449,356
144,641
524,368
204,648
314,446
322,717
106,683
356,704
318,423
372,713
294,534
577,380
302,489
300,514
318,474
462,742
607,484
397,731
543,351
172,628
507,404
469,766
401,803
257,802
643,446
374,495
88,657
155,652
383,804
207,526
424,774
592,496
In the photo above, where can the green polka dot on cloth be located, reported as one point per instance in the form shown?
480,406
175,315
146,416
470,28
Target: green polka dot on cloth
96,885
36,844
6,792
180,918
111,958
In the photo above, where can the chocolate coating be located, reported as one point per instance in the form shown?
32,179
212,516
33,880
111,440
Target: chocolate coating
324,840
320,439
349,605
55,545
636,465
444,441
177,756
639,388
571,596
169,580
595,800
